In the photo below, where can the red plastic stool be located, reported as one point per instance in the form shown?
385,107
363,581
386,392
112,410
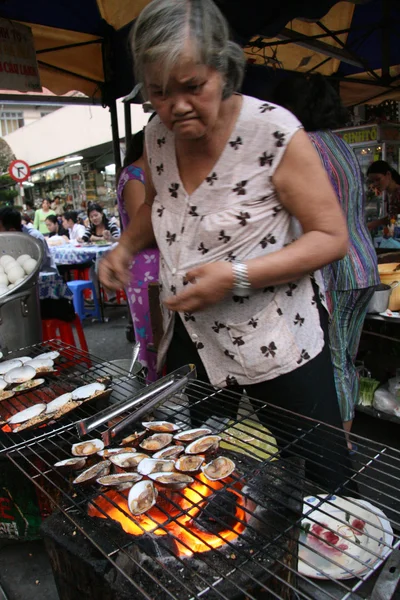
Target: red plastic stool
82,274
61,330
120,296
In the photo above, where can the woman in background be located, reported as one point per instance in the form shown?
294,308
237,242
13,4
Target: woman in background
100,227
145,265
349,282
70,222
55,227
385,179
41,215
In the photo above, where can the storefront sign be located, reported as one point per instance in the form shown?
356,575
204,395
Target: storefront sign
19,170
359,136
18,65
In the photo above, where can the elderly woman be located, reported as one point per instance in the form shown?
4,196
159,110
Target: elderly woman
224,175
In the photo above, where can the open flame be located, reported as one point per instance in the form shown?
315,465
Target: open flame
178,521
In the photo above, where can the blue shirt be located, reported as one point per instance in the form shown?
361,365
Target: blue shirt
48,263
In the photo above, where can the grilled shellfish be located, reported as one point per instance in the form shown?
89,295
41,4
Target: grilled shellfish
192,434
189,463
160,426
219,468
156,442
122,481
169,452
98,470
87,448
142,497
127,460
152,465
203,444
173,481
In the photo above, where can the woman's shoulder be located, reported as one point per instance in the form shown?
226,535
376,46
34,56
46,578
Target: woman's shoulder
132,172
267,115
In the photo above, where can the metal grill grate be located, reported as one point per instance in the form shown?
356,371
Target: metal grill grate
272,519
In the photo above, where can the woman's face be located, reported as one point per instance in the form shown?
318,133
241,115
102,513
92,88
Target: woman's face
379,181
191,101
51,226
46,205
67,223
95,217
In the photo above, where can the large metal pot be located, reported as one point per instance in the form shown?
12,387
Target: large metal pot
380,300
20,321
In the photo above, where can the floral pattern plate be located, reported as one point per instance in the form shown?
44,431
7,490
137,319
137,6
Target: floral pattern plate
342,538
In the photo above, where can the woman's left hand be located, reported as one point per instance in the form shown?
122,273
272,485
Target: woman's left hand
210,284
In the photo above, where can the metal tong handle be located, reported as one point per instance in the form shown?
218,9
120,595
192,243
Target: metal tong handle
87,425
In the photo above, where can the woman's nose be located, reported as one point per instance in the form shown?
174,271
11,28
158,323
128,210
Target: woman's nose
181,106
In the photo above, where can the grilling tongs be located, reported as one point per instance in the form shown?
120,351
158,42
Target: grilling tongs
152,396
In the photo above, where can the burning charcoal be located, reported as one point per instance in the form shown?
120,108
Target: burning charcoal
218,514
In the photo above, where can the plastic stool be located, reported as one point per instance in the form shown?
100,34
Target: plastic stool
78,275
77,288
64,331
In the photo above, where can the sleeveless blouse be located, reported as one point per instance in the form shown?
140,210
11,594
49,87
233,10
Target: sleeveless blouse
235,214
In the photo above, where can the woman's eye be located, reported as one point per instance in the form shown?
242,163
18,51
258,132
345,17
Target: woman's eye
196,87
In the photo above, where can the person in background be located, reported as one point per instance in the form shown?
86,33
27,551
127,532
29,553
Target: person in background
386,179
55,227
40,217
145,266
70,221
100,226
29,210
57,206
349,282
11,220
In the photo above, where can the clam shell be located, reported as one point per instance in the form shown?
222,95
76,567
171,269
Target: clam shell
160,426
7,365
174,481
6,395
20,374
86,391
133,439
127,460
25,359
27,414
112,451
57,403
169,452
94,472
189,463
71,464
51,355
219,468
3,384
34,422
119,479
41,365
192,434
156,442
142,497
152,465
28,385
87,448
203,444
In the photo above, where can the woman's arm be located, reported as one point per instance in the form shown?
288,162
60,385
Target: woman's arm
134,196
36,220
113,230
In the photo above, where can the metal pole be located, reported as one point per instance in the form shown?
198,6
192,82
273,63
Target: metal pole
128,124
115,133
386,29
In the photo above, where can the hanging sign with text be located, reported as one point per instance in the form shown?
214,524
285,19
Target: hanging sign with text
18,65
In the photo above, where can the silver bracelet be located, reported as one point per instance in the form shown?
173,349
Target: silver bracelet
241,283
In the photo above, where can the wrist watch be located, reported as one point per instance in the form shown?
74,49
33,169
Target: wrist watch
241,283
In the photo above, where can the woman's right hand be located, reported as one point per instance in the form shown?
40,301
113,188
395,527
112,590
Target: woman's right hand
114,268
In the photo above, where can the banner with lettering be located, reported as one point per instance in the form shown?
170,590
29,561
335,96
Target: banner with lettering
18,65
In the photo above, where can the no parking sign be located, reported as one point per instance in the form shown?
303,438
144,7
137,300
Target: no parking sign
19,170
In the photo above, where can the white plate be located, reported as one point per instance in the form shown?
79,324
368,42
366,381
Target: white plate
356,552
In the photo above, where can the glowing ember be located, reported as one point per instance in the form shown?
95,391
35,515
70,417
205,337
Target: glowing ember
182,528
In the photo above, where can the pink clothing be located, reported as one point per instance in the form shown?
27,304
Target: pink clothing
143,270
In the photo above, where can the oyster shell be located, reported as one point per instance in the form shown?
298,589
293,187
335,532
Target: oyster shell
87,448
25,359
28,385
192,434
142,497
19,374
152,465
127,460
173,481
38,420
27,414
87,391
119,480
111,451
133,439
66,408
6,395
7,365
160,426
203,444
71,464
219,468
57,403
169,452
3,384
41,365
189,463
51,355
156,442
98,470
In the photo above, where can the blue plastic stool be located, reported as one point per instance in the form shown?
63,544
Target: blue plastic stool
84,312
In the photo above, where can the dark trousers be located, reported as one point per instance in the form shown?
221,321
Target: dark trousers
308,390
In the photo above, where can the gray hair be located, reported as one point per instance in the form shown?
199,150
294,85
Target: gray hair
164,26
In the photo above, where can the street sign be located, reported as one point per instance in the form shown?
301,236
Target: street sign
19,170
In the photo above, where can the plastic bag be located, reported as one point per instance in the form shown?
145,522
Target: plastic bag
386,402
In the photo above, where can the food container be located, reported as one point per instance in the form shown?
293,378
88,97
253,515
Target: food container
380,300
390,273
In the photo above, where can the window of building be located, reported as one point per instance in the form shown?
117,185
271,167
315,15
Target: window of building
10,121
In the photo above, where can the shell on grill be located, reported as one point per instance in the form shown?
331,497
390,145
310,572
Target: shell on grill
71,464
173,481
25,359
219,468
160,426
112,451
98,470
133,439
189,463
33,422
192,434
169,452
156,442
87,448
57,403
142,496
87,391
28,385
4,395
41,365
7,365
127,460
19,374
28,413
48,355
3,384
122,481
152,465
204,444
